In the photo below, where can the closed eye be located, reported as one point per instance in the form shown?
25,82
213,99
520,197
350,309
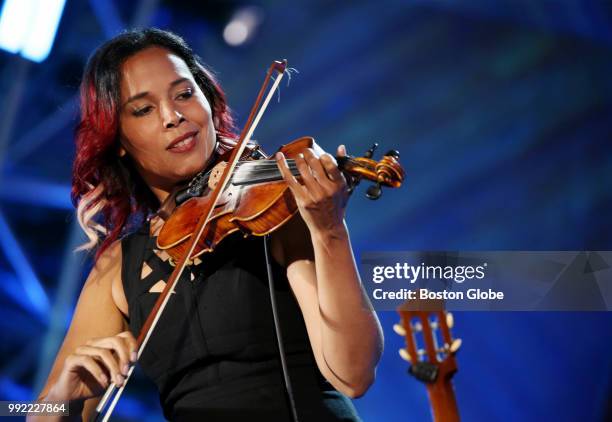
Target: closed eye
185,94
142,111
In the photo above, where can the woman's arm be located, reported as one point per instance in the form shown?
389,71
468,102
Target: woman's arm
343,328
97,345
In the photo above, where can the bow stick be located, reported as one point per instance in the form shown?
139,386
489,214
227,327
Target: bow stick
103,411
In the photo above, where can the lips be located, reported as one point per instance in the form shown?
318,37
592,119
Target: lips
183,143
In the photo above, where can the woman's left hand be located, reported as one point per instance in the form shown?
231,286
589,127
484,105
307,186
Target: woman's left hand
323,194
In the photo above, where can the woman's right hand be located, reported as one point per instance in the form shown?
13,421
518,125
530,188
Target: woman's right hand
88,371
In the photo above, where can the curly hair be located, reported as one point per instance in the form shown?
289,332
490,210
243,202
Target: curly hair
109,194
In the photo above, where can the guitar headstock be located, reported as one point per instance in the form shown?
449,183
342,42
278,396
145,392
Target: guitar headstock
430,347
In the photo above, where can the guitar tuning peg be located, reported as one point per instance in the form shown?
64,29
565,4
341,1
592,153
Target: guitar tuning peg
417,326
399,329
450,320
456,344
404,354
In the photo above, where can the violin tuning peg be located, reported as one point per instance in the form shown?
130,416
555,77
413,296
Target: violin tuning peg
455,345
369,153
404,354
399,329
393,153
374,192
450,320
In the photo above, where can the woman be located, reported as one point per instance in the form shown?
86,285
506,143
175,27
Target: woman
152,117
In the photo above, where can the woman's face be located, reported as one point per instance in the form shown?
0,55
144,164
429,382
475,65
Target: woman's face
165,120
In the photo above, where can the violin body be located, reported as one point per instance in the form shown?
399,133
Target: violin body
254,209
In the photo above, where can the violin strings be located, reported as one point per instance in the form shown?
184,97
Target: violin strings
251,172
246,172
262,163
256,175
272,163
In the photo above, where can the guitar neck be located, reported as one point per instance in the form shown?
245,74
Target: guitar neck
443,402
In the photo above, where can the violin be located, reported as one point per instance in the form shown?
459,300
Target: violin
240,193
257,201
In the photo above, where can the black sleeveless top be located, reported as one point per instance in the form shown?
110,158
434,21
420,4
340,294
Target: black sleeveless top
213,354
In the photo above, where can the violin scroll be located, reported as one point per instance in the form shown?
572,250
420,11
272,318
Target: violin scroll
386,172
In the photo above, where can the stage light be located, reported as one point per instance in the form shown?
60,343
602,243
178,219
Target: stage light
12,29
28,27
242,26
235,33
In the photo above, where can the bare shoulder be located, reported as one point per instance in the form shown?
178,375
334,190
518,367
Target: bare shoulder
103,289
109,267
105,278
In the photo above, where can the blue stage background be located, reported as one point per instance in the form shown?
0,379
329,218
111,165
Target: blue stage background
501,111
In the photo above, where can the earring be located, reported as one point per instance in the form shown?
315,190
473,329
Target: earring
121,152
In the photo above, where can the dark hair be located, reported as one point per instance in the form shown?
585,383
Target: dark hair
108,192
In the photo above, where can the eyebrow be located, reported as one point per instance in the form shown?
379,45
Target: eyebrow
144,94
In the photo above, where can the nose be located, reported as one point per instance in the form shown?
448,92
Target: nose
173,118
